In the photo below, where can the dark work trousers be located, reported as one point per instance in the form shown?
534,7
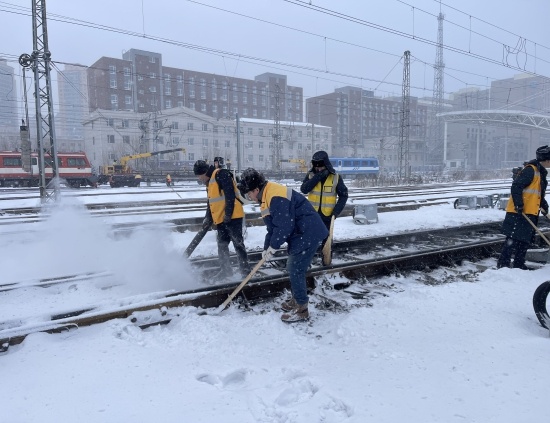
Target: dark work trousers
233,232
513,247
327,224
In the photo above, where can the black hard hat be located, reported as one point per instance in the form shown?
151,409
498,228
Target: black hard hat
543,153
250,180
219,160
200,167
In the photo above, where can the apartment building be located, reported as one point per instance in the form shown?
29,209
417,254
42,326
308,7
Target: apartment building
140,82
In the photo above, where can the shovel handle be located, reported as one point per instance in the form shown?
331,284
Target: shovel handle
536,229
241,285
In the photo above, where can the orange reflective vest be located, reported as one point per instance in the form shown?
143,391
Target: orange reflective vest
216,201
271,190
323,196
531,196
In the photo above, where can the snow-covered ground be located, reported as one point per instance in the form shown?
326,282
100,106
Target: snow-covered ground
460,352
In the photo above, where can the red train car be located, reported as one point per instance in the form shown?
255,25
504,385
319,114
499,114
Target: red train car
74,168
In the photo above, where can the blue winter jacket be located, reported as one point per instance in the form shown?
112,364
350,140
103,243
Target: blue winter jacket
293,220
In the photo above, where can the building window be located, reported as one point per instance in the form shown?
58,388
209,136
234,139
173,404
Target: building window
190,141
167,90
126,139
111,122
152,75
111,139
216,143
192,105
175,125
250,144
152,59
261,132
112,157
254,113
203,107
261,145
205,127
153,89
125,123
250,158
245,111
140,77
214,109
112,69
168,104
261,158
205,142
250,131
128,84
264,114
227,144
235,98
189,126
113,82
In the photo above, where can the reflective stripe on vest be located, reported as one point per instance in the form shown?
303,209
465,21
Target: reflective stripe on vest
324,195
531,196
271,190
216,201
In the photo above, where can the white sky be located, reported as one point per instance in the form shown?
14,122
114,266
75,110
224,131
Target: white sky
461,352
321,49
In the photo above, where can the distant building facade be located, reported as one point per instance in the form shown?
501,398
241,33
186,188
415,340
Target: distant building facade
110,135
364,125
72,87
9,119
139,82
484,144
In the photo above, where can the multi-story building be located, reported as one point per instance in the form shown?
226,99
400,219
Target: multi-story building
365,125
139,82
489,144
72,87
113,134
9,120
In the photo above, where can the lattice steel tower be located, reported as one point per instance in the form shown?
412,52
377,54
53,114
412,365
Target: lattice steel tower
436,142
404,171
39,61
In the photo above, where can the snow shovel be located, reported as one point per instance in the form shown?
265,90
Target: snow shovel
536,229
327,248
197,240
238,288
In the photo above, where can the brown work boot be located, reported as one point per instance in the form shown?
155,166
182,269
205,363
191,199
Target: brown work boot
289,305
298,314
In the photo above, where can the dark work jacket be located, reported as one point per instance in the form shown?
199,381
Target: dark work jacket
341,190
224,178
515,225
292,221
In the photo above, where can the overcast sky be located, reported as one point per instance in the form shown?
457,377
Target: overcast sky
361,46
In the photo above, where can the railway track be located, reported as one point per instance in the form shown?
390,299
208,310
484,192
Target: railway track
351,281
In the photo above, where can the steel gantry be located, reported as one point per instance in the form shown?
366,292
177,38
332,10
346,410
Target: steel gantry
504,117
39,61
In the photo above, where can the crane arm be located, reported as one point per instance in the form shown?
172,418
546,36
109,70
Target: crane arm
125,159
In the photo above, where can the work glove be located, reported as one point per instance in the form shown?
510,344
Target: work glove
267,255
519,209
324,174
227,219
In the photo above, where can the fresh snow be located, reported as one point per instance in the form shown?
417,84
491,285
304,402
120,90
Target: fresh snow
459,352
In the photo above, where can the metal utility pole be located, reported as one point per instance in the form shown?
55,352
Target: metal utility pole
277,131
436,141
238,128
39,61
403,158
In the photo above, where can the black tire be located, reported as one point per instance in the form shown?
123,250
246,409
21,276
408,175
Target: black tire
456,203
539,303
